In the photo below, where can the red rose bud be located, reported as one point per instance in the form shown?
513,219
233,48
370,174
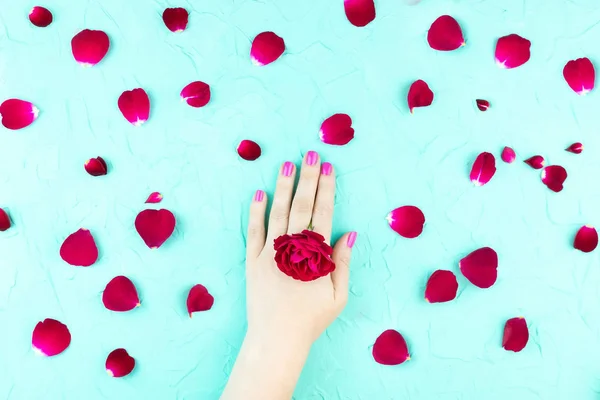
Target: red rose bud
303,256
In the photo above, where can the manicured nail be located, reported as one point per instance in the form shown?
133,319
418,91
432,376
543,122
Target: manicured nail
351,239
326,168
311,157
288,168
259,196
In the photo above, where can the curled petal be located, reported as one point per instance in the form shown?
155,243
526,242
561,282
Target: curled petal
89,47
483,169
445,34
508,155
119,363
50,337
536,162
580,75
554,176
586,239
18,114
96,166
176,19
407,221
419,95
266,48
249,150
480,267
390,348
4,220
155,197
199,299
337,130
512,51
135,106
576,148
196,94
40,16
120,295
441,287
155,226
483,105
79,249
359,12
516,334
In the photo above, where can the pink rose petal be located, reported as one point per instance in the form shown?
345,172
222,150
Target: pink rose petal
155,197
512,51
4,220
390,348
419,95
575,148
18,114
96,166
120,295
441,287
483,105
50,337
480,267
483,169
586,239
155,226
337,130
196,94
119,363
89,47
79,249
508,155
516,334
407,221
176,19
553,176
266,48
580,75
359,12
536,162
199,299
445,34
249,150
135,106
40,16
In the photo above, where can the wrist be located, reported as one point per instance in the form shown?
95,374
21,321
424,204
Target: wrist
277,345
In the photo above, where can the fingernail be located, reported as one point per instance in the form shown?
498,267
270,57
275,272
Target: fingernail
288,168
326,168
311,157
351,239
259,196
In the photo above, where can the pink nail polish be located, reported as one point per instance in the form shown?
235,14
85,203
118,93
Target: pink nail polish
351,239
326,168
259,196
311,157
288,168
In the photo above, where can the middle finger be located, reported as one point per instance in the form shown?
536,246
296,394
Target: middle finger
302,206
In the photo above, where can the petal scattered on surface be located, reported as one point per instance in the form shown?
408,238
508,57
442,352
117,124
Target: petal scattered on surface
576,148
419,95
508,155
155,197
480,267
249,150
580,75
337,130
196,94
155,226
135,106
586,239
516,334
512,51
483,105
359,12
50,337
199,299
536,162
4,220
390,348
445,34
554,176
96,166
40,16
407,221
89,47
483,169
120,295
119,363
266,48
176,19
79,249
18,114
441,287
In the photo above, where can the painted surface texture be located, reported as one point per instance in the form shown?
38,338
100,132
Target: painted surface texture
188,154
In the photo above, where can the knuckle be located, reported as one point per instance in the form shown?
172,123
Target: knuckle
254,231
345,260
323,210
303,207
279,215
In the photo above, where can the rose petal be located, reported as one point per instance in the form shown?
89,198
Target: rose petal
4,220
266,48
50,337
390,348
155,197
249,150
554,176
155,226
441,287
196,94
40,16
89,47
337,130
119,363
508,155
512,51
575,148
586,239
199,299
483,105
516,334
79,249
120,295
359,12
419,95
480,267
18,114
96,166
445,34
536,162
407,221
176,19
135,106
483,169
580,75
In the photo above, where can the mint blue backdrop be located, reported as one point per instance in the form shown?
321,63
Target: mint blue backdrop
396,159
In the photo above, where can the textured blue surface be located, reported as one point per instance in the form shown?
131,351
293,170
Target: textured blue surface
396,159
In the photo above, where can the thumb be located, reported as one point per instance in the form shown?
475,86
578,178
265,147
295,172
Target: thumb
342,252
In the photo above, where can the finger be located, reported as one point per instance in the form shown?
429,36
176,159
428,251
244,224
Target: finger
322,215
302,207
342,253
280,210
255,241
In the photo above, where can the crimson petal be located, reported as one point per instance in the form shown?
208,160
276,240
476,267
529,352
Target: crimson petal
196,94
419,95
4,220
266,48
249,150
155,197
337,130
89,47
480,267
119,363
155,226
40,16
79,249
50,337
390,348
483,169
199,299
516,334
120,295
441,287
445,34
18,114
407,221
96,166
359,12
512,51
483,105
586,239
135,106
554,176
176,19
508,155
575,148
580,75
536,162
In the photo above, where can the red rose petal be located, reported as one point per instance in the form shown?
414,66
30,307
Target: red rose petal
586,239
50,337
575,148
554,176
120,295
17,114
536,162
512,51
419,95
135,106
249,150
176,19
441,287
155,226
337,130
4,221
79,249
96,166
119,363
199,299
483,169
155,197
89,47
516,334
508,155
40,16
359,12
480,267
407,221
483,105
580,75
445,34
196,94
390,348
266,48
